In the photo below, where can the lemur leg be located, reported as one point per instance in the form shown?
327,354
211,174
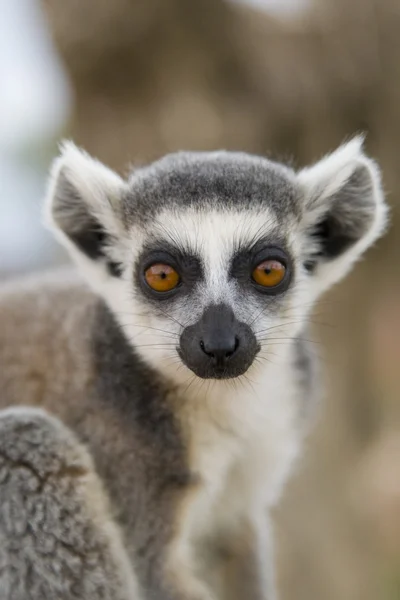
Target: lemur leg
247,563
57,538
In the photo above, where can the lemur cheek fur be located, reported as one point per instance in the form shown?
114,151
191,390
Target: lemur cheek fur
218,346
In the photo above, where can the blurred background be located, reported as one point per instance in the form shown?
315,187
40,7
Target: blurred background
130,80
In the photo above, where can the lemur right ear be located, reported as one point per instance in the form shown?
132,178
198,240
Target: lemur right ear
344,211
84,206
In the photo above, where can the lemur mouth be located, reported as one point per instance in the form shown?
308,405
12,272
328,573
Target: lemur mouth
218,346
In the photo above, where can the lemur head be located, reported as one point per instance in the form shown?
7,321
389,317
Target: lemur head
207,259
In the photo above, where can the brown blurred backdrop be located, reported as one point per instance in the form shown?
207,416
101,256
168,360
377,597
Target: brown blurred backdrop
151,76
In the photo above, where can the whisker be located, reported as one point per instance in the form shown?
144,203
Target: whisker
155,329
169,336
165,345
273,341
280,325
260,358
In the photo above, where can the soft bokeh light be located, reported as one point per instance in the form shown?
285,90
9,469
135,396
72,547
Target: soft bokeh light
34,105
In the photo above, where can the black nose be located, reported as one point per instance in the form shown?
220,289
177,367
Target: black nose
220,348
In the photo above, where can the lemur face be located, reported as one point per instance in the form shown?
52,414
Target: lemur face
213,282
211,262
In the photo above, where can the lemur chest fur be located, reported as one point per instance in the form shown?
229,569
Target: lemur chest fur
241,446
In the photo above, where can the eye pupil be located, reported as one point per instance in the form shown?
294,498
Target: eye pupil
269,273
161,277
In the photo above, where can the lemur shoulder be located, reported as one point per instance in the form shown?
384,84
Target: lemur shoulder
176,362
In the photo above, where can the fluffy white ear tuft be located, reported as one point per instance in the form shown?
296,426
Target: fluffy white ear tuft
328,175
344,210
83,205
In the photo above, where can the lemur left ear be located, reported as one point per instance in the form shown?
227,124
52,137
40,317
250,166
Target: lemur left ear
344,210
83,208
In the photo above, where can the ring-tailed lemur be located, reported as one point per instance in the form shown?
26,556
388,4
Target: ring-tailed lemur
183,368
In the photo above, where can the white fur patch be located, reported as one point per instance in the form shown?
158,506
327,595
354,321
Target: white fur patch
99,187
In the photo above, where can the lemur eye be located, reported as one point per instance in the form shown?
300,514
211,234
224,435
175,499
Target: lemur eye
161,277
269,273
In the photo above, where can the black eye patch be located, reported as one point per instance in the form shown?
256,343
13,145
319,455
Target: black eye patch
247,259
188,266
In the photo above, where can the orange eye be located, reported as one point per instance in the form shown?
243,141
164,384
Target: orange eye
269,273
161,277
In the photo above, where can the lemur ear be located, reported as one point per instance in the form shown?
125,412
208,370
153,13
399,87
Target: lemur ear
344,210
84,206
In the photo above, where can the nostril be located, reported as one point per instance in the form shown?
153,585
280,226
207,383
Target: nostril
236,346
205,350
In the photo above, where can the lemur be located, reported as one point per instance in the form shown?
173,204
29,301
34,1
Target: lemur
154,401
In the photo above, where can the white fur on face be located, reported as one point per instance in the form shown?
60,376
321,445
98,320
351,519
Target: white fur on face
215,238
